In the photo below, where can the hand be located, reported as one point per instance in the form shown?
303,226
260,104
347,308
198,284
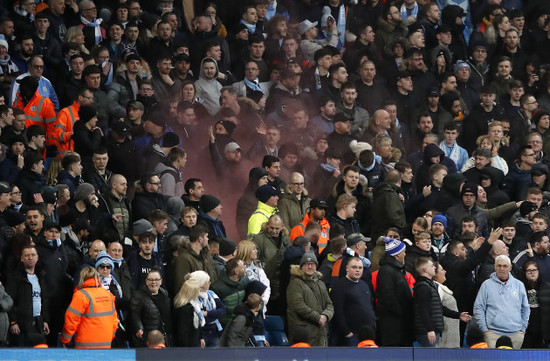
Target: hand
402,198
495,235
20,161
322,320
529,250
431,337
336,173
38,198
266,344
333,25
166,78
427,190
15,329
478,241
204,313
46,328
465,317
139,333
221,76
107,68
349,335
211,134
203,343
261,128
518,204
117,217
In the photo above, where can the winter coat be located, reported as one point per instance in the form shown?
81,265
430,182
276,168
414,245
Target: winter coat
270,253
30,183
146,202
238,332
20,290
189,261
170,178
414,253
307,300
86,141
516,183
146,315
187,327
428,309
134,267
387,210
395,304
459,275
459,211
6,304
231,293
450,338
292,209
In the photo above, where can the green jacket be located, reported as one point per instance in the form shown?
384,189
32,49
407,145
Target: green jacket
308,299
272,257
259,217
291,209
231,293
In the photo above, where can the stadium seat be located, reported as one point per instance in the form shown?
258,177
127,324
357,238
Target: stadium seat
275,331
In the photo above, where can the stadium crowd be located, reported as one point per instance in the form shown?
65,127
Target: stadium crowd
382,165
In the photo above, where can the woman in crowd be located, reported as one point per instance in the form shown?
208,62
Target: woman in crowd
188,316
538,295
211,307
248,253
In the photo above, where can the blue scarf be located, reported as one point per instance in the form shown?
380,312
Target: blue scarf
366,261
377,159
208,303
271,10
253,85
95,24
57,243
19,10
328,167
251,27
341,24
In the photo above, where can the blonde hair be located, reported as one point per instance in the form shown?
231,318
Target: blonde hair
199,276
86,274
422,235
189,291
70,37
53,171
244,250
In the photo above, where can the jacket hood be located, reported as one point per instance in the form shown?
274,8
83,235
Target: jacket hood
174,206
449,15
432,150
201,76
452,182
495,174
385,187
295,271
293,252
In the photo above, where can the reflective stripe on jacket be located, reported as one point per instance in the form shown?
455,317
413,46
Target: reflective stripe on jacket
64,128
92,316
40,111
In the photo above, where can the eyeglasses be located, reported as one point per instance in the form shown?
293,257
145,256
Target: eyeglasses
153,279
533,102
535,142
155,184
89,98
298,184
105,266
91,9
531,270
38,66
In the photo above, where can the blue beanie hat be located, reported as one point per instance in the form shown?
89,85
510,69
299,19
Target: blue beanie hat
440,218
104,258
393,246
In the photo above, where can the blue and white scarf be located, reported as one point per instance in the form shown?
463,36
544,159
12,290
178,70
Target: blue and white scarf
365,260
403,10
451,151
208,303
341,23
96,24
19,10
328,167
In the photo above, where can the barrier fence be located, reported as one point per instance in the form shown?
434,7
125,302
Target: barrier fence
273,354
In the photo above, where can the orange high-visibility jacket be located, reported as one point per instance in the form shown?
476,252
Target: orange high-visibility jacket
92,316
40,111
64,128
300,229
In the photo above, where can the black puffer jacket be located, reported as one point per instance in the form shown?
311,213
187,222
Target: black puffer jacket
146,315
428,309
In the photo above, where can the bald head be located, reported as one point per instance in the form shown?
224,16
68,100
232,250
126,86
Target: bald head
96,247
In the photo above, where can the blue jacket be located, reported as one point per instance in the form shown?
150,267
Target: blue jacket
502,307
516,183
